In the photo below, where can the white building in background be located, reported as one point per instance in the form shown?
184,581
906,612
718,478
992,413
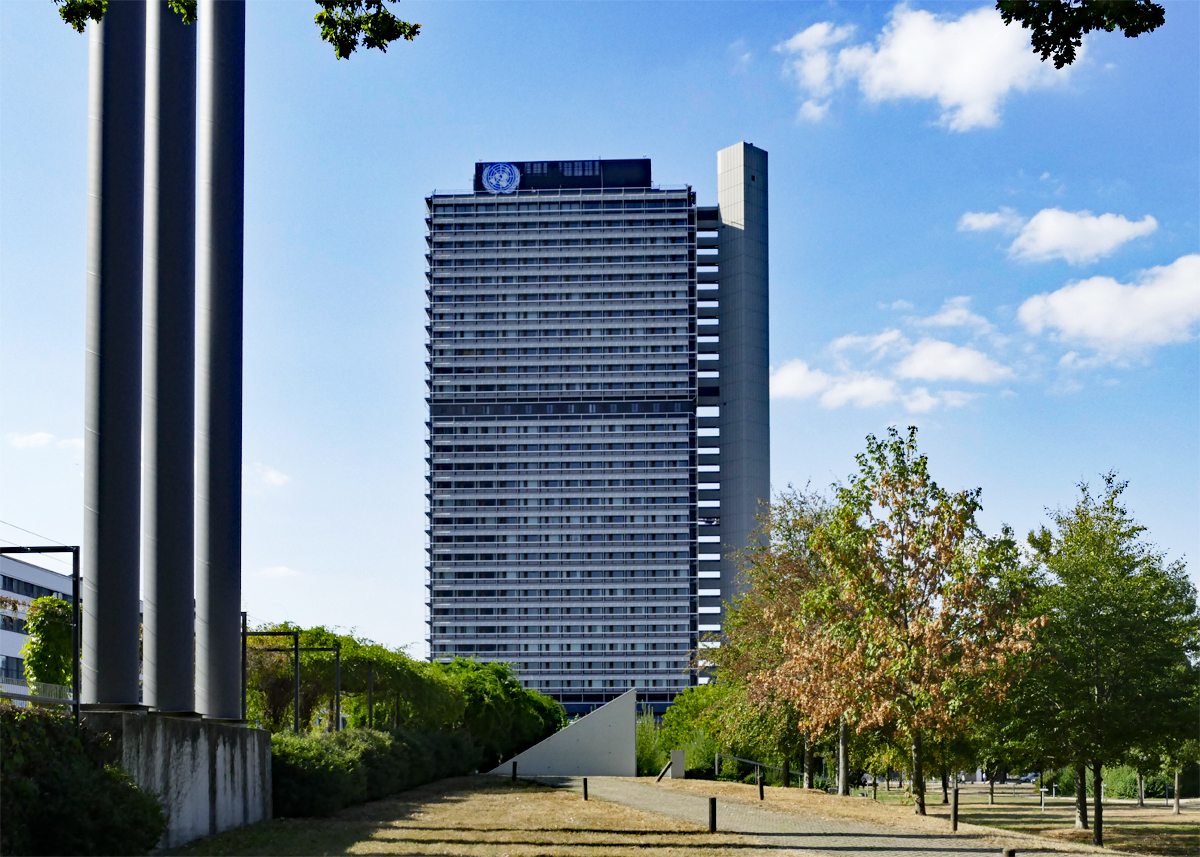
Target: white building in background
599,435
24,582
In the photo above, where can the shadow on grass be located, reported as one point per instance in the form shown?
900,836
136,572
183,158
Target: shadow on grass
338,833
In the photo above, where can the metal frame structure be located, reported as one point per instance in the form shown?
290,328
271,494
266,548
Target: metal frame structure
296,649
75,625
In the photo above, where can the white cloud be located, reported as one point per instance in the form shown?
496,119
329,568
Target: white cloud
956,312
1076,236
270,476
936,360
979,221
1117,317
814,111
969,65
740,57
29,441
920,401
278,571
861,389
881,343
901,305
794,380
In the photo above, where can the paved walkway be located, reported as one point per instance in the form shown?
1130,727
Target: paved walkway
788,832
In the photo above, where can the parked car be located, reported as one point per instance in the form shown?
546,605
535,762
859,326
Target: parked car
1029,778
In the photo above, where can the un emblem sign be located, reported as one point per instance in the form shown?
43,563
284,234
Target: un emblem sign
501,178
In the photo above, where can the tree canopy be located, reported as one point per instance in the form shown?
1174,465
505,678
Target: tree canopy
1058,26
1113,668
345,24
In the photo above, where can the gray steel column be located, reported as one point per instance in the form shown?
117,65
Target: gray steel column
222,75
745,419
169,367
112,420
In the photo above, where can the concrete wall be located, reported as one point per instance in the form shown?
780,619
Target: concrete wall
600,744
209,776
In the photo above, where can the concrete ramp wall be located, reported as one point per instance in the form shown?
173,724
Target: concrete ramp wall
209,776
600,744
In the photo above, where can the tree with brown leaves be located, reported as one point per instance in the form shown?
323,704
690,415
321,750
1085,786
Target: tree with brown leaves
889,616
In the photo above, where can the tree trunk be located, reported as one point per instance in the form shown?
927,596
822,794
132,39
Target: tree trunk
1141,790
1097,805
1081,813
888,776
991,787
918,774
843,771
808,763
945,782
1177,779
787,772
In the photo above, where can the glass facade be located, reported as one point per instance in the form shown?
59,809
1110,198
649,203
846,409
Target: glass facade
562,435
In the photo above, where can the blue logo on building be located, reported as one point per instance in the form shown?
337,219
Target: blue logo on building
501,178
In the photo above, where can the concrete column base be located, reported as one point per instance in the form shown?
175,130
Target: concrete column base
209,776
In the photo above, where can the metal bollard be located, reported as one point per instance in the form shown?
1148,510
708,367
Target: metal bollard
712,815
585,788
760,783
954,811
514,775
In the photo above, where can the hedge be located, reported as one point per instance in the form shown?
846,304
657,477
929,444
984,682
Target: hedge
61,793
316,775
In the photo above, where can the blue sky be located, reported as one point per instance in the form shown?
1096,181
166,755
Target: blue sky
962,239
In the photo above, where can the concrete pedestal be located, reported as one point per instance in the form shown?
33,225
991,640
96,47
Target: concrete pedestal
209,776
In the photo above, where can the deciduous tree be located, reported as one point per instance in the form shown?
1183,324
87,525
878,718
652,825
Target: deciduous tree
904,626
1058,26
345,24
1114,666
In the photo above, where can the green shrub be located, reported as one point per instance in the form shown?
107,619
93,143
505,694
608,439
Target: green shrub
60,792
316,775
651,755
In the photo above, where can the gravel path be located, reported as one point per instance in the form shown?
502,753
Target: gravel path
786,832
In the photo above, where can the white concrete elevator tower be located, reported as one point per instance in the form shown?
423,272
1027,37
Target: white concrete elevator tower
745,416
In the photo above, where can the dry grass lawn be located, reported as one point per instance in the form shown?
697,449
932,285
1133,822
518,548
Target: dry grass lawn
481,817
1153,829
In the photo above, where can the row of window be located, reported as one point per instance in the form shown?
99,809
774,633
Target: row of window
12,668
554,593
598,313
583,205
479,226
560,388
29,590
560,429
619,277
561,242
562,629
12,623
564,519
558,447
554,574
570,501
539,332
565,684
529,261
561,557
652,610
462,466
550,351
571,666
554,296
464,648
557,538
